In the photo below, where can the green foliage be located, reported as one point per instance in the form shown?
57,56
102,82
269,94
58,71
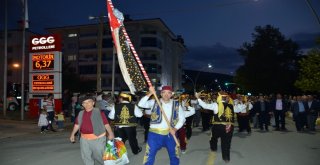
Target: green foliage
270,62
309,74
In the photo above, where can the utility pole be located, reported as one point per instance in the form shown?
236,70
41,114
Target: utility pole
24,26
113,70
99,59
99,44
5,65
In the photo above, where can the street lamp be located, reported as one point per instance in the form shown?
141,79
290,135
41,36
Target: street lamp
99,59
16,65
193,84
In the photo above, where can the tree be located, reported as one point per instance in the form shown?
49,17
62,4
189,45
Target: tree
309,74
270,62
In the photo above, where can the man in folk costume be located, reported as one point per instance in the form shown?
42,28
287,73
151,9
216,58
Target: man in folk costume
125,116
206,114
160,134
242,110
188,111
223,124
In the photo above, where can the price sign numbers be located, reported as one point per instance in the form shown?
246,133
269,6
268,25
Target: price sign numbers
43,61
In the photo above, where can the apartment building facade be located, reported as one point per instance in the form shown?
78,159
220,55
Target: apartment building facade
160,50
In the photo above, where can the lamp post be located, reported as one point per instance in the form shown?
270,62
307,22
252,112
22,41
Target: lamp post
14,67
193,84
99,43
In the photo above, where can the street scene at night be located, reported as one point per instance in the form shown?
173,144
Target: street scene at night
25,145
156,83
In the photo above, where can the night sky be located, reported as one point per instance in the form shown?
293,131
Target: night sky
212,29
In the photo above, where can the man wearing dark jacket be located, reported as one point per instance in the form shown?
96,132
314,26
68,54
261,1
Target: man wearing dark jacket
299,113
279,110
312,109
262,110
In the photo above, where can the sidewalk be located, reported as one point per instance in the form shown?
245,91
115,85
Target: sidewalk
13,127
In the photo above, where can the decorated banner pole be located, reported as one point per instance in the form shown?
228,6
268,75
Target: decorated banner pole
148,81
114,23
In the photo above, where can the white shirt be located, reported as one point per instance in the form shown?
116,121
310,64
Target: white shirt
279,104
48,105
167,108
147,111
195,104
242,108
210,106
188,111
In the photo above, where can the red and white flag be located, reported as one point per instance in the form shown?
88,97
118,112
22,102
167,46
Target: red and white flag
130,65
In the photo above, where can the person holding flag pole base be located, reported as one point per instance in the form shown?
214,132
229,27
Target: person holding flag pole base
160,134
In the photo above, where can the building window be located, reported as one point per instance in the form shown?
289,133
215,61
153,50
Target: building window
72,57
72,35
10,49
152,68
151,42
88,69
106,69
145,31
72,46
107,43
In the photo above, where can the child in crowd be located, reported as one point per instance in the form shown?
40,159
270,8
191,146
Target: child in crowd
43,121
60,120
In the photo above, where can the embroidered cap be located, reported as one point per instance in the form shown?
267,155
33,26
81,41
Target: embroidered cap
168,88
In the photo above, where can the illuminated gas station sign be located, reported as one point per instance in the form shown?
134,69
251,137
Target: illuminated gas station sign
45,70
43,82
43,61
45,65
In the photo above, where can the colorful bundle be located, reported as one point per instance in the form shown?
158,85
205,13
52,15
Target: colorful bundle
116,152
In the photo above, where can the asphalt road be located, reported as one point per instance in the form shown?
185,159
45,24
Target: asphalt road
22,144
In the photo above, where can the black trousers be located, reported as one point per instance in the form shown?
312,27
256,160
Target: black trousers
189,121
206,117
300,120
244,123
264,120
279,117
51,120
146,126
128,133
219,131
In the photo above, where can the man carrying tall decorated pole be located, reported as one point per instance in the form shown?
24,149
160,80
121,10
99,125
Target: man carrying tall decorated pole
131,67
160,134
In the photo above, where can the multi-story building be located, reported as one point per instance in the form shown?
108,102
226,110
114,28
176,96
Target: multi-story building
14,57
159,49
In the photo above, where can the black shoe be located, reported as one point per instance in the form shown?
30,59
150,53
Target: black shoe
139,150
283,129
